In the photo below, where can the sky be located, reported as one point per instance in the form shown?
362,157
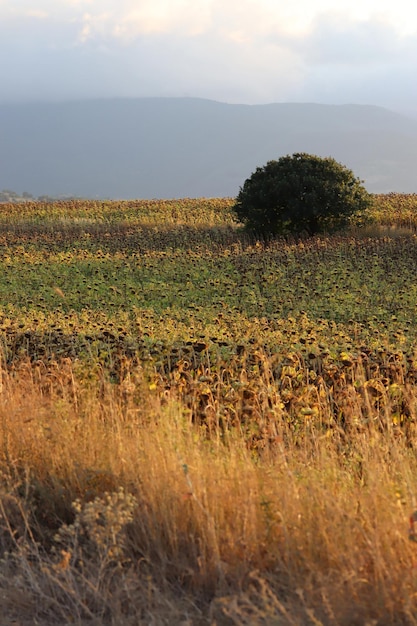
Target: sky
236,51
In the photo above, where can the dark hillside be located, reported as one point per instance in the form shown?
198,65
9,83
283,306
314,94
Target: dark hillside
185,147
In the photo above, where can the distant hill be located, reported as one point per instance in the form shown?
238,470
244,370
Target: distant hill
186,147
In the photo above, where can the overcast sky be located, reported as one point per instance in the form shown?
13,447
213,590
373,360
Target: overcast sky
237,51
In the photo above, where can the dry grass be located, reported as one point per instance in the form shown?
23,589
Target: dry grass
174,526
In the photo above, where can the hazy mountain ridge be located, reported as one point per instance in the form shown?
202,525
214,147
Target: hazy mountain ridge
179,147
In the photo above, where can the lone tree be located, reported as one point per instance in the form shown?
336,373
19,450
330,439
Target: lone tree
300,193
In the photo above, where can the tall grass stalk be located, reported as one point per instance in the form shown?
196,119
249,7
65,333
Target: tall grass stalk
171,523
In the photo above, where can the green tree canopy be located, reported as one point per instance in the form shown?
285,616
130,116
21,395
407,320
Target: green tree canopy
300,193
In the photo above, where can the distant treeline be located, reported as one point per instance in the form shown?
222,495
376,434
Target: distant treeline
6,195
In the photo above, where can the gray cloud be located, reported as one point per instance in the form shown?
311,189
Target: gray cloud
364,62
333,41
216,55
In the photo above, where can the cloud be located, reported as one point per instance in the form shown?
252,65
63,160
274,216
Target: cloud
336,41
356,61
36,13
93,26
234,50
127,20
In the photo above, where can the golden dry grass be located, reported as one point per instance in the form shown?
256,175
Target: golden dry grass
306,530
